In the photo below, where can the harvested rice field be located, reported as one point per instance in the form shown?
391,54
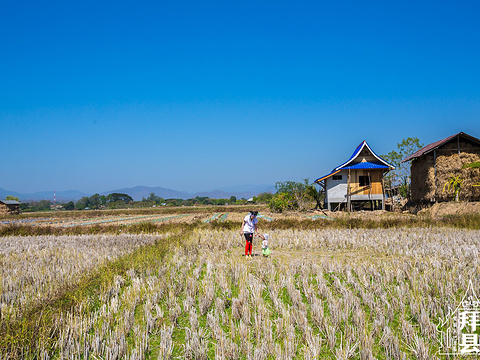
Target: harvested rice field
187,292
103,220
96,218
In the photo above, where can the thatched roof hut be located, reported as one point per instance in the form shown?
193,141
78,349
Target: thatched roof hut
9,207
433,166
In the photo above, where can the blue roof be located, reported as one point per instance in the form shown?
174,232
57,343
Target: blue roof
366,165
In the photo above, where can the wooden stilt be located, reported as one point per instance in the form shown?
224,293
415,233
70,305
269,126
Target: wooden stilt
435,173
383,193
348,192
370,190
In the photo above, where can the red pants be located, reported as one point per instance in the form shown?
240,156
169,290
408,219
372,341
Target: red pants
248,244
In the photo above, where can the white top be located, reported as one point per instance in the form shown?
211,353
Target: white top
264,244
249,226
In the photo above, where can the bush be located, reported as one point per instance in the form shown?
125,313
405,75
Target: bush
282,202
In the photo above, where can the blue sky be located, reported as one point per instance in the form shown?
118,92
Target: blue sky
198,95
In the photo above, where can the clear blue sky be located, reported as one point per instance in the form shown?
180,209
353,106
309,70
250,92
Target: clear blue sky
198,95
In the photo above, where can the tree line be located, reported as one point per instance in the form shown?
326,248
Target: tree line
290,195
125,201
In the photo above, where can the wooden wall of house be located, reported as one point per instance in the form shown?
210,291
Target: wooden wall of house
375,178
423,178
367,155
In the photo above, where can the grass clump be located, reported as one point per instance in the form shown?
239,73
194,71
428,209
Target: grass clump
462,221
472,165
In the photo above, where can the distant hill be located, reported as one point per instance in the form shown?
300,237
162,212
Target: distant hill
239,191
248,191
257,189
139,192
61,196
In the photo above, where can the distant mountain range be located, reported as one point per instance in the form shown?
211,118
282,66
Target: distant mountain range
61,196
139,192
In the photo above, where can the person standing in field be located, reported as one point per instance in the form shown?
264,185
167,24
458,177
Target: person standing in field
249,228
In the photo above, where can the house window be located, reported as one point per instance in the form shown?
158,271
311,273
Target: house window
337,177
364,180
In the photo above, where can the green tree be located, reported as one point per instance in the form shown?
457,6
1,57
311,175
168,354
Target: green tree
42,205
94,201
114,197
401,175
155,199
82,203
11,197
283,201
316,195
69,206
233,199
172,202
290,195
219,201
263,198
25,207
203,200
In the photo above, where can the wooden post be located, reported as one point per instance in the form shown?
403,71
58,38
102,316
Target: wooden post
348,192
370,189
383,193
435,173
458,145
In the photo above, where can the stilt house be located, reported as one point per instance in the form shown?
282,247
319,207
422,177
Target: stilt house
433,165
358,180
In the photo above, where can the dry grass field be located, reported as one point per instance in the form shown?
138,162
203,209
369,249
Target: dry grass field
181,288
